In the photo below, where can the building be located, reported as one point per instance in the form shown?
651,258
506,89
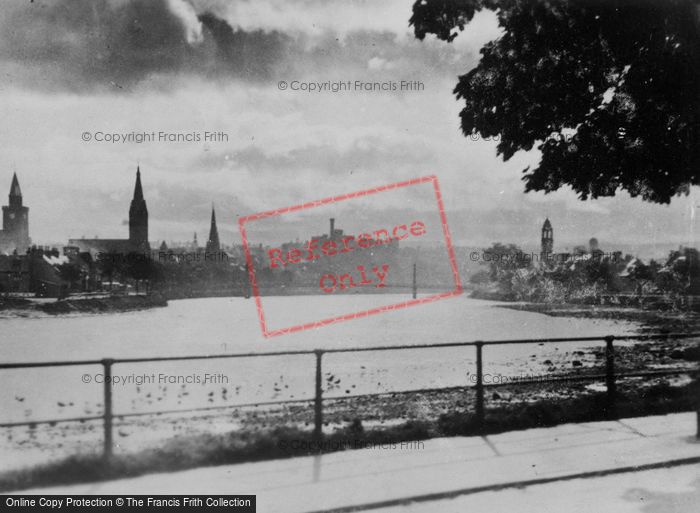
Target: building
41,271
213,245
138,230
138,217
309,271
547,242
15,273
14,236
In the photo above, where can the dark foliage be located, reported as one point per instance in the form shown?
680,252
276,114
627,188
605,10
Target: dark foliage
608,90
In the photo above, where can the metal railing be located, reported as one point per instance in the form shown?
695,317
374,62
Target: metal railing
610,377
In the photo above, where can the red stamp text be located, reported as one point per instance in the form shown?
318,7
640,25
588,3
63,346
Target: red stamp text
368,261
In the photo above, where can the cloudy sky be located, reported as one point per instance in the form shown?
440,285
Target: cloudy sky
188,66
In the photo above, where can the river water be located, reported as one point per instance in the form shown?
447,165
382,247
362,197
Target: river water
230,325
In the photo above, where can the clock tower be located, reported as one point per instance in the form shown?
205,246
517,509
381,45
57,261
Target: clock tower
15,220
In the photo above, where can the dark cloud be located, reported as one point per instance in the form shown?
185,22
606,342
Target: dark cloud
253,54
88,44
115,45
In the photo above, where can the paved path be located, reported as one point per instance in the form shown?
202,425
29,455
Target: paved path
665,490
435,470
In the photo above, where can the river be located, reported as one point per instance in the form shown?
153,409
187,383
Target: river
230,325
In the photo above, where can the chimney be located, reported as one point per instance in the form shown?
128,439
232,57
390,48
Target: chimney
332,227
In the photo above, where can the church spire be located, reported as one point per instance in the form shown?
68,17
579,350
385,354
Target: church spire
138,190
213,241
138,217
15,192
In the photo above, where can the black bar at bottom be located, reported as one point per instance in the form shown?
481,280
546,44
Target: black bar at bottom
238,503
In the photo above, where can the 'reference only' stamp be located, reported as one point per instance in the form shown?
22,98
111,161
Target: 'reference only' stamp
367,262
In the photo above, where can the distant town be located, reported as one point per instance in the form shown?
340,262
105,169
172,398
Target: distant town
85,266
588,274
134,264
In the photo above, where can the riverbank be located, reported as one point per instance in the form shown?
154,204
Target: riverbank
652,321
66,452
225,433
238,435
33,307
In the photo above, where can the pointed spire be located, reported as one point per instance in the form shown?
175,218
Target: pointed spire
14,188
213,241
138,216
138,190
15,193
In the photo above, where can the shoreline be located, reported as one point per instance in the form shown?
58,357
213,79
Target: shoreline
250,433
233,434
22,308
664,321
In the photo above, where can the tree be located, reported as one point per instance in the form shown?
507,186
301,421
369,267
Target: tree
140,267
70,272
643,275
111,265
681,274
608,90
603,272
504,261
502,258
480,277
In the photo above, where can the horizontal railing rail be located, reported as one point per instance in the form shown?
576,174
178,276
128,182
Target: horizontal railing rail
663,336
609,376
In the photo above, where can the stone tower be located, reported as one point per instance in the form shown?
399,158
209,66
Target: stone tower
15,220
547,240
138,217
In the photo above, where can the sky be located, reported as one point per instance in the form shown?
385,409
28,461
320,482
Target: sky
72,70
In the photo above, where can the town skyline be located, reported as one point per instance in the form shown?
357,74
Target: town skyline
566,244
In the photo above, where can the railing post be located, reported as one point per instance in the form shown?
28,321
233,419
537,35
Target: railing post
610,410
318,403
479,385
696,379
415,283
107,387
246,285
